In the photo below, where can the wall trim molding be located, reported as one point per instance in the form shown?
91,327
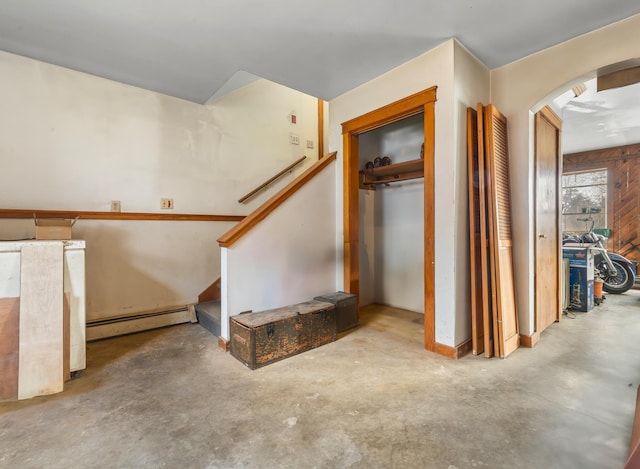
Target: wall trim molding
224,344
456,352
320,128
530,341
90,215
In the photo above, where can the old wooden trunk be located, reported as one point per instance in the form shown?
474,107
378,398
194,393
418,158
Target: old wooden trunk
346,309
264,337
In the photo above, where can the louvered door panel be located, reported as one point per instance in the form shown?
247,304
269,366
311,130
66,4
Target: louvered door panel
501,232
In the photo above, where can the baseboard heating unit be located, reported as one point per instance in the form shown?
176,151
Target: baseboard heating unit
112,327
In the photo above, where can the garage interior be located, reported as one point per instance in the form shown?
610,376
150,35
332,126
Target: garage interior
185,125
172,398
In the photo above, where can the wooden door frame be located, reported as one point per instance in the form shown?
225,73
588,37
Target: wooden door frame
551,118
423,101
320,128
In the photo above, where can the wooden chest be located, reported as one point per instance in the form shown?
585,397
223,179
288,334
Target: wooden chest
264,337
346,309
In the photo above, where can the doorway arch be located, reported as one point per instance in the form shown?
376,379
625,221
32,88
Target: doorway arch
520,87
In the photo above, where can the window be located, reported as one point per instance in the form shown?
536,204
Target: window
584,194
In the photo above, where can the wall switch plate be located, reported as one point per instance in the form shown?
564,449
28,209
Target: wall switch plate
115,205
309,143
295,140
166,204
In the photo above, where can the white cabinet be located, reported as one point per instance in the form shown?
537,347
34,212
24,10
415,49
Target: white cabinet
42,315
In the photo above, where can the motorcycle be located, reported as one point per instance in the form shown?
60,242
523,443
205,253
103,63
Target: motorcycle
616,271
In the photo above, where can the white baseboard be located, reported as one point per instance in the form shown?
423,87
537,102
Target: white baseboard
112,327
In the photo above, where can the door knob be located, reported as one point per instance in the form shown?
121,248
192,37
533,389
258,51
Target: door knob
541,236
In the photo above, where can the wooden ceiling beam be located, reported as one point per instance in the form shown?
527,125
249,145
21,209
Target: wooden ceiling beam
625,77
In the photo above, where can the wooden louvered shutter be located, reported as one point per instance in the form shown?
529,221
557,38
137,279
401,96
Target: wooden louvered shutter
500,232
475,246
481,320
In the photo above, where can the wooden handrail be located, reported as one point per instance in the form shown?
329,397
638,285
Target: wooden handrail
265,184
270,205
88,215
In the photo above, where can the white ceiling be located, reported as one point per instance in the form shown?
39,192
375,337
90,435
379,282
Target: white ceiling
602,119
191,48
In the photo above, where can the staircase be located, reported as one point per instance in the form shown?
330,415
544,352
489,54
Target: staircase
208,308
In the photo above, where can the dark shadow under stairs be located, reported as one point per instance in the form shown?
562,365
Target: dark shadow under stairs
208,314
208,308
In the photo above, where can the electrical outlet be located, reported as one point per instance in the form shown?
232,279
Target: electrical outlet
309,143
166,204
295,140
115,205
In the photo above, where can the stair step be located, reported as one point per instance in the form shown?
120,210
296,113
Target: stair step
208,314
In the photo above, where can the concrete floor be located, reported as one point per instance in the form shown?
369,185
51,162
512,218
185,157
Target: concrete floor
373,399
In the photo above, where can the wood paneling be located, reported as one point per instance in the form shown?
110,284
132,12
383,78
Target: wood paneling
41,320
9,347
274,202
211,293
87,215
617,79
623,174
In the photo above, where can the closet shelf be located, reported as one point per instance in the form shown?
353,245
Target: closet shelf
404,171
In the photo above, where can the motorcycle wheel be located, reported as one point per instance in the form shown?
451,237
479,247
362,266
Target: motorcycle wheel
621,282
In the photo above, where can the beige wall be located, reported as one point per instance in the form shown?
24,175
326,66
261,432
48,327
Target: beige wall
518,90
392,222
472,85
73,141
288,257
435,67
521,88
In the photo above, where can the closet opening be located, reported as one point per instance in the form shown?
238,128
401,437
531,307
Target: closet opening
389,208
